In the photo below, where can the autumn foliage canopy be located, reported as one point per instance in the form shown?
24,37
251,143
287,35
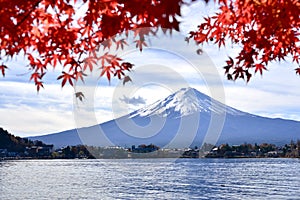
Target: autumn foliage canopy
69,33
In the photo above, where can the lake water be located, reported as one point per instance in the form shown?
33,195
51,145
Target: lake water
150,179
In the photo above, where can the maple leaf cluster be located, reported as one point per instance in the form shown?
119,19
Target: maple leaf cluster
69,33
266,30
50,32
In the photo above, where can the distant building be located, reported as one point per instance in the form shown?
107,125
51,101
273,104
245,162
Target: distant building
35,151
273,154
3,152
144,148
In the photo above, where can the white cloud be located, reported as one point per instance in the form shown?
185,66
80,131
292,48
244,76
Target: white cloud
135,101
27,121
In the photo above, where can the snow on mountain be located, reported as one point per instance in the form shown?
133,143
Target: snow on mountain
185,102
185,118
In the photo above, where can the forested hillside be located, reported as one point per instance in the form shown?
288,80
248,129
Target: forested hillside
14,143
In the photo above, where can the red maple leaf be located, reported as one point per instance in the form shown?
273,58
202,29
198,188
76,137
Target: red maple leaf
260,68
36,76
127,66
79,75
140,43
3,68
119,73
107,70
38,85
121,43
79,95
248,75
66,77
89,62
298,71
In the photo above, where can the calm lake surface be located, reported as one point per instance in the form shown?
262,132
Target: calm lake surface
151,179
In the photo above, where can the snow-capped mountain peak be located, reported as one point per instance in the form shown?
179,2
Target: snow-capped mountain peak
184,102
177,132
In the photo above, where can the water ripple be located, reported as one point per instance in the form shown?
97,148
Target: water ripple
150,179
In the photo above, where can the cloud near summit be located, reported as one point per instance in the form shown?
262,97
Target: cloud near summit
134,100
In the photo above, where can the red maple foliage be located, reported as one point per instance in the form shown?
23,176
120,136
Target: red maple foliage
49,32
266,30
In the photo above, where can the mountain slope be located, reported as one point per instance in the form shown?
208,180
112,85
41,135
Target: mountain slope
185,118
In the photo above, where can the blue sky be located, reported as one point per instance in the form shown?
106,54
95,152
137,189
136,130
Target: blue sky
167,65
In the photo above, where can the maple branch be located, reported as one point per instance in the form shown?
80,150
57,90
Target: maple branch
265,31
28,14
57,16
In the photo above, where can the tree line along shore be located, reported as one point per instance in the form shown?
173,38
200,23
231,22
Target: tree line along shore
13,147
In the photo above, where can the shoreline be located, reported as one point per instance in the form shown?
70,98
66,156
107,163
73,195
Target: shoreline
130,158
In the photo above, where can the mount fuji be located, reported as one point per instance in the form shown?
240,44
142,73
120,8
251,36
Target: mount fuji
186,118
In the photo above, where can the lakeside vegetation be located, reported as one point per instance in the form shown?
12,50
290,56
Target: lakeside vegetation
12,147
16,147
264,150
